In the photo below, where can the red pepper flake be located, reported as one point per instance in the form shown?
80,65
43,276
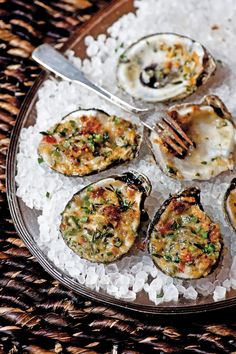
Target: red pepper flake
214,233
91,126
98,192
181,267
49,139
112,212
179,206
188,257
167,227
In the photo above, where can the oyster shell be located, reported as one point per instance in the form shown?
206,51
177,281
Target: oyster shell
230,203
164,66
183,241
101,222
209,125
89,141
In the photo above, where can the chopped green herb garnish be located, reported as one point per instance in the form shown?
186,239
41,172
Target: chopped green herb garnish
40,160
63,132
203,233
107,153
192,248
204,162
106,136
209,248
118,243
73,124
109,254
46,133
84,219
71,232
159,295
172,234
116,120
124,59
47,194
86,210
176,225
167,257
97,138
176,259
56,153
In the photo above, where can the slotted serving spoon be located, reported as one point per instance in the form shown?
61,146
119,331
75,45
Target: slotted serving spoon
55,62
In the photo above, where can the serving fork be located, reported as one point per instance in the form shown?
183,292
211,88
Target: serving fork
167,128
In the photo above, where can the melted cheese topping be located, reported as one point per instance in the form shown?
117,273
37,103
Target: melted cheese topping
89,141
100,223
185,243
164,66
214,138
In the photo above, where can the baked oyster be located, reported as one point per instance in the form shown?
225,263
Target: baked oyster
183,241
101,222
230,203
89,141
164,66
210,127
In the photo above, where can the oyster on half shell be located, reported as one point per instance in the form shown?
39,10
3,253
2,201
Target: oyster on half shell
210,127
183,241
87,141
230,203
164,66
101,222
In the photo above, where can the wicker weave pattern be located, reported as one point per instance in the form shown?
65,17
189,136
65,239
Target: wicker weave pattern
37,314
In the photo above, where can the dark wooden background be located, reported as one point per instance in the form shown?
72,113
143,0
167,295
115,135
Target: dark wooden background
37,314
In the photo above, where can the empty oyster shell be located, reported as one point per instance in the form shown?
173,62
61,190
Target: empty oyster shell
164,66
101,221
230,203
209,126
89,141
183,241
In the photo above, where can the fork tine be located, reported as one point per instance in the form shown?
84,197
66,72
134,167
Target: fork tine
168,140
172,123
172,133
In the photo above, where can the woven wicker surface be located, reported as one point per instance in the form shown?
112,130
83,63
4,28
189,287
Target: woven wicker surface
37,314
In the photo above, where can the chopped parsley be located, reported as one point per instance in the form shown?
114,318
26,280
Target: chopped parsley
40,160
84,219
116,120
73,124
209,248
63,132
